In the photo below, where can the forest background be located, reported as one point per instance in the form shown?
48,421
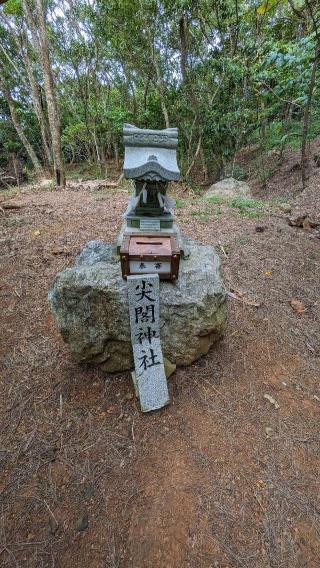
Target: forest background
227,73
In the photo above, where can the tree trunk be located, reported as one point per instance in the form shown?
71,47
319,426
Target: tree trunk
16,172
184,66
116,152
161,90
37,106
194,157
306,114
145,94
53,114
16,122
183,47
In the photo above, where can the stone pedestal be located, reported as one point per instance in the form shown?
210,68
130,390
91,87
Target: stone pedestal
90,305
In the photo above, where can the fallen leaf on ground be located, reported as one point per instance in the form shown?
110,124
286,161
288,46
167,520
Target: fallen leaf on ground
36,233
271,400
112,408
268,273
298,306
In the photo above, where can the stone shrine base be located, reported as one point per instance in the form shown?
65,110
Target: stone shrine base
90,305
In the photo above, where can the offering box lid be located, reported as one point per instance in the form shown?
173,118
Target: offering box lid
143,245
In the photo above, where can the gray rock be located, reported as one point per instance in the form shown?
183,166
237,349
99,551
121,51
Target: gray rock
90,305
96,251
228,188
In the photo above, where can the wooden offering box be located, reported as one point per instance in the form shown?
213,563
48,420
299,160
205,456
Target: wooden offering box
144,254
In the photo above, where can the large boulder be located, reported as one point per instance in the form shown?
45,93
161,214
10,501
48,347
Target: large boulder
90,305
229,188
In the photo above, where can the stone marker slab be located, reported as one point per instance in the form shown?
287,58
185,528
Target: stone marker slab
144,310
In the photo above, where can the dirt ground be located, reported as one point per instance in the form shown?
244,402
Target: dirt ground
223,477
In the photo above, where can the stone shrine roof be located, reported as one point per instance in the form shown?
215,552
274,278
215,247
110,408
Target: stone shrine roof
150,154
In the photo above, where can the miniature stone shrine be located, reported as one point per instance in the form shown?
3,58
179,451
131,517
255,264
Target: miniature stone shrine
151,161
150,247
103,304
150,241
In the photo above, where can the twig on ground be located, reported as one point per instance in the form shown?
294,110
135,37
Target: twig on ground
237,297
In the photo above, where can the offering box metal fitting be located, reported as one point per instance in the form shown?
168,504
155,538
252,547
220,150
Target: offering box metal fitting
143,254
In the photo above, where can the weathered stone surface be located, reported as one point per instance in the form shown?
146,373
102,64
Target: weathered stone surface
228,187
90,304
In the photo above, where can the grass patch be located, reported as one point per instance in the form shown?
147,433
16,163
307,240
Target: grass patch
244,203
246,206
179,204
217,199
251,208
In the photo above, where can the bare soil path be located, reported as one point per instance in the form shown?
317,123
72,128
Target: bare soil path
220,478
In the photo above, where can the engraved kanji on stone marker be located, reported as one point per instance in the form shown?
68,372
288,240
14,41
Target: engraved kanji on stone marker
150,379
148,334
144,290
149,359
144,314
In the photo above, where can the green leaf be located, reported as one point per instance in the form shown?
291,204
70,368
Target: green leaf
266,6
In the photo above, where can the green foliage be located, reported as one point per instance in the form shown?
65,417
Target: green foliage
236,171
216,199
240,76
243,203
13,7
179,204
266,6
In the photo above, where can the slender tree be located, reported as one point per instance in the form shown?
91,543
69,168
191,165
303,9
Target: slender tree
36,101
40,36
17,124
